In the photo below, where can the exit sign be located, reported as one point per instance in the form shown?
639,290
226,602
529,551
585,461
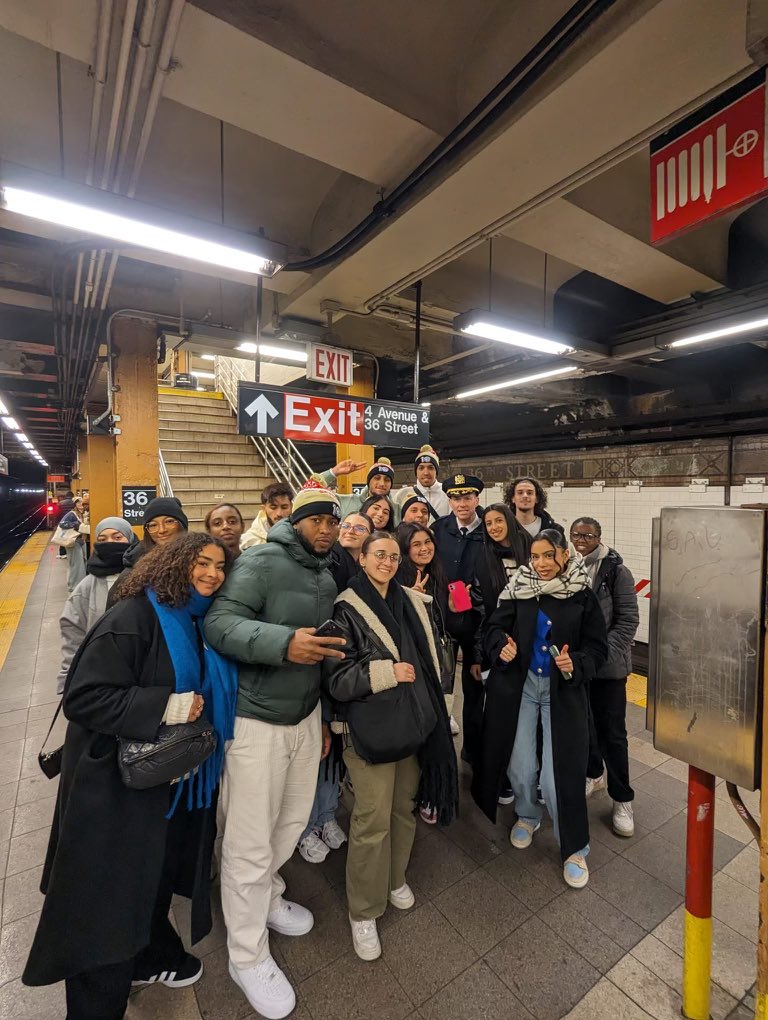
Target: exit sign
329,365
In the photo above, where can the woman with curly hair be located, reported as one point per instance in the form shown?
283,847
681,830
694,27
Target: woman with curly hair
117,855
527,500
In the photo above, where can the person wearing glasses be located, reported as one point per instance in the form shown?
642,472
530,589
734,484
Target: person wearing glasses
163,521
398,746
345,554
544,642
614,586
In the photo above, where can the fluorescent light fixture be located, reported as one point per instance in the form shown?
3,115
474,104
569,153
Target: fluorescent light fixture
103,214
28,446
208,357
3,408
22,438
426,403
489,326
203,375
519,380
11,423
271,351
716,334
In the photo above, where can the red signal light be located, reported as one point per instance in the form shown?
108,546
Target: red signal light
50,508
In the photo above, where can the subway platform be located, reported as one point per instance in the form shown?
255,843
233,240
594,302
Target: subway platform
494,935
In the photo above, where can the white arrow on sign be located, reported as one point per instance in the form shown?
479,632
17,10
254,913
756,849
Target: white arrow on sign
263,410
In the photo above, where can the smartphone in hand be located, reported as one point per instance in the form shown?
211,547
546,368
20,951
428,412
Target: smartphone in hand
460,596
329,629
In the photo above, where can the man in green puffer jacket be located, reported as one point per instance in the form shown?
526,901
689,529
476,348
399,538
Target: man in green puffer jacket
265,617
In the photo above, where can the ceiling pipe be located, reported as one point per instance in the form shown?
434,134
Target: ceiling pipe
485,115
143,44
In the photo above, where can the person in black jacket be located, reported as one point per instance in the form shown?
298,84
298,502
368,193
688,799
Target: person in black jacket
614,586
116,855
399,751
545,641
528,501
459,541
420,569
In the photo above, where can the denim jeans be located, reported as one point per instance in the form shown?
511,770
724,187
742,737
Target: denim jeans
523,765
326,800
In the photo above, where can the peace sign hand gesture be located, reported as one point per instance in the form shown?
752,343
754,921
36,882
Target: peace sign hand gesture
420,584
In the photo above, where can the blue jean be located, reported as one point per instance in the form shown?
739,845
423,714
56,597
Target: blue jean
326,800
75,565
523,768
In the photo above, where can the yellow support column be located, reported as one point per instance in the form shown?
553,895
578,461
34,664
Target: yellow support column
101,475
135,402
361,387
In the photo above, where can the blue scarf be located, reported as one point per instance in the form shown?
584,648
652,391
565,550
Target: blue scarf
218,686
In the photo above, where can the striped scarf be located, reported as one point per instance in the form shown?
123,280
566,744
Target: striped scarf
525,583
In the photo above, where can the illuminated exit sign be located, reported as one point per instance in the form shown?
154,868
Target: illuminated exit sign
714,160
329,365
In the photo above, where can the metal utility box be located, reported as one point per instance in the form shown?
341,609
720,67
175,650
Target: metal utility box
707,635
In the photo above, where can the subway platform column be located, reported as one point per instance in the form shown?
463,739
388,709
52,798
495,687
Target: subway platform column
136,446
362,386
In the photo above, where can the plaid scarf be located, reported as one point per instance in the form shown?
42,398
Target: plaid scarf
525,583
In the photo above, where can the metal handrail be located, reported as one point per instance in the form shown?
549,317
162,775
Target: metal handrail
281,456
166,489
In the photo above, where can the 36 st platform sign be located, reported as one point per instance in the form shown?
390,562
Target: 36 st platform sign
312,418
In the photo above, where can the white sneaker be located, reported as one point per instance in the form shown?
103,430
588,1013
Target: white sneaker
333,835
576,872
365,939
289,918
402,898
313,849
522,832
623,818
593,785
454,727
266,988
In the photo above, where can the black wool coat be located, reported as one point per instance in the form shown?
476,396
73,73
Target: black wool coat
577,622
459,556
107,844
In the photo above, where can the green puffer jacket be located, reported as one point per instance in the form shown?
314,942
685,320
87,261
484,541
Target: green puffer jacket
272,591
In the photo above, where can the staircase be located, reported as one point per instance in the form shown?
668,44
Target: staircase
206,460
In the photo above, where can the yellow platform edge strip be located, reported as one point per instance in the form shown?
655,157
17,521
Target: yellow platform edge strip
697,962
15,583
169,391
637,690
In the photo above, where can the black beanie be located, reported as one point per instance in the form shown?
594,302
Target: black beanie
165,506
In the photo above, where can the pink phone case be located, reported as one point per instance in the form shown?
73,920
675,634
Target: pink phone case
461,599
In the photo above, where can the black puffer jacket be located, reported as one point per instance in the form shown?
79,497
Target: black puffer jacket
615,589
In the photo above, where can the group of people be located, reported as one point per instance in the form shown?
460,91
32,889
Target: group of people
319,643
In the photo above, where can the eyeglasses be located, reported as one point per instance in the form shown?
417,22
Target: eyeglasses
583,534
392,557
168,525
358,529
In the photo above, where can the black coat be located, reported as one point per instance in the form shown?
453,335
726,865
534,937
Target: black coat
107,843
578,622
343,566
459,557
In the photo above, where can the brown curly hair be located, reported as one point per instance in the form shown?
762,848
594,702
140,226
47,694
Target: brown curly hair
167,569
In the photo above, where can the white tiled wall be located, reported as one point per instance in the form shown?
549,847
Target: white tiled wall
625,516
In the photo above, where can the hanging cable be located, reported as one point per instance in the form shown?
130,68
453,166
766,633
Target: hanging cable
536,62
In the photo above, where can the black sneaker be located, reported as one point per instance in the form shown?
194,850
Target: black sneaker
187,973
506,796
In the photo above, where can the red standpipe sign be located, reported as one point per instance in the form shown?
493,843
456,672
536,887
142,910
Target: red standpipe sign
712,161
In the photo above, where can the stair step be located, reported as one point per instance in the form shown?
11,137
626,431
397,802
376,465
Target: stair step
197,511
253,481
197,421
191,406
188,435
217,493
199,471
175,458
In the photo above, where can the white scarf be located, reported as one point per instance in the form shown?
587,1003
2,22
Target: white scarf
525,583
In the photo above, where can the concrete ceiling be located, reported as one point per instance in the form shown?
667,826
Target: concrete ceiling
293,119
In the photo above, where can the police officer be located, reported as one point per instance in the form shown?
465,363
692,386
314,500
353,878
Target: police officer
459,541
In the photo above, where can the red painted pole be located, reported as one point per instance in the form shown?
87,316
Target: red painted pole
699,854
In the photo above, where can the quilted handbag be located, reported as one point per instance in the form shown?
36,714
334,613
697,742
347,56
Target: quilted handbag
177,751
